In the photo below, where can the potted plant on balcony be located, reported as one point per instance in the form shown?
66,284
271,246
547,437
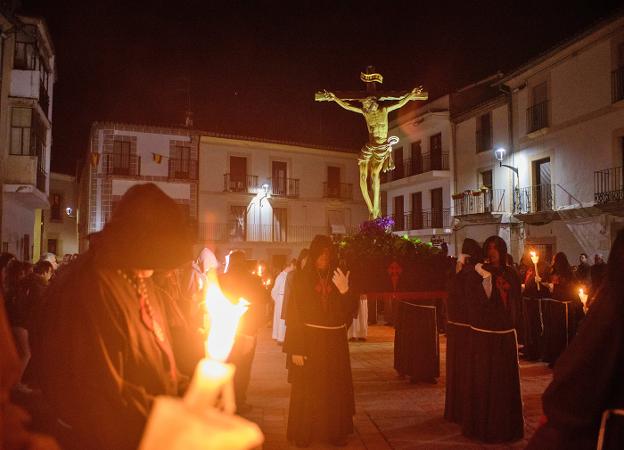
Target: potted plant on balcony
476,193
457,196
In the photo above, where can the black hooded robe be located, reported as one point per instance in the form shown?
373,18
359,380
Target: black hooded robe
99,365
322,402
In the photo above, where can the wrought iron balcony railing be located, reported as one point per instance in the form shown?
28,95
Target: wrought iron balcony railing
415,166
534,199
122,164
341,191
422,219
537,117
233,232
609,185
479,202
183,169
617,85
285,187
240,183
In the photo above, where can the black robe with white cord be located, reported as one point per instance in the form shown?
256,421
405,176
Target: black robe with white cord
322,402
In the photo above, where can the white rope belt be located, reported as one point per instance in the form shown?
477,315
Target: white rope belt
512,330
311,325
459,324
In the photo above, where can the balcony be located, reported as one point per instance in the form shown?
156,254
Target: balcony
183,169
416,166
422,219
122,165
240,183
537,117
285,187
233,232
340,191
25,180
534,199
608,185
617,85
479,202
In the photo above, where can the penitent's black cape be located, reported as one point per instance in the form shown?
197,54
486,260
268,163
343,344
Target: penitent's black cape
98,364
587,380
322,402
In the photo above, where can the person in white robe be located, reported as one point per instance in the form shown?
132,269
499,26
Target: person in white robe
359,327
277,293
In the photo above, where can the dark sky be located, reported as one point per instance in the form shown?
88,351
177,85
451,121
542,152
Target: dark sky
253,70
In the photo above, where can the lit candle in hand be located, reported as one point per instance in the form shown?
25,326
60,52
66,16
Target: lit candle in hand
535,260
583,296
212,384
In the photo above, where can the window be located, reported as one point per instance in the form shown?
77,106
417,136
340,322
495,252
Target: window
399,170
238,223
537,114
121,157
280,224
417,211
333,182
53,246
21,121
617,76
435,151
399,213
542,193
56,208
238,174
484,132
25,55
436,208
180,162
487,179
278,177
416,158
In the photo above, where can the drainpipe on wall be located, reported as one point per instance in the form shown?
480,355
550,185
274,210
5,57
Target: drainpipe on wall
454,178
509,94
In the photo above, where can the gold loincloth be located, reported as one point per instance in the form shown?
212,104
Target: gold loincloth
378,153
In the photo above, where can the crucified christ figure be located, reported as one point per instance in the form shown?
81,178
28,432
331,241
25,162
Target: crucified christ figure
376,155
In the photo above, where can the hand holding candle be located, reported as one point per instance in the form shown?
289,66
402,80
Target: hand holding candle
583,296
212,384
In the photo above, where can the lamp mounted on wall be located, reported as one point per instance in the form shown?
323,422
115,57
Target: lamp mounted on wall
500,155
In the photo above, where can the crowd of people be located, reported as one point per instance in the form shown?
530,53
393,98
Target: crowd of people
98,337
489,328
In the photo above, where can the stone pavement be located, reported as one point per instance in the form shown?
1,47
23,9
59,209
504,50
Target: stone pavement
391,413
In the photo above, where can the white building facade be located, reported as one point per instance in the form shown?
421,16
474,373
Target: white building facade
417,192
270,198
563,187
26,94
123,155
61,229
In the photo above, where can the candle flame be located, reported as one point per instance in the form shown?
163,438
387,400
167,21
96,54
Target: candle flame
533,254
223,316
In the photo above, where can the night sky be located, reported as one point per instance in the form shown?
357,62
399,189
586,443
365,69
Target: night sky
253,70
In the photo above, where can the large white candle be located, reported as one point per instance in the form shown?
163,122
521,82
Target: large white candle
212,383
583,297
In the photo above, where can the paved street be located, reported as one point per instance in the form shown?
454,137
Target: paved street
391,412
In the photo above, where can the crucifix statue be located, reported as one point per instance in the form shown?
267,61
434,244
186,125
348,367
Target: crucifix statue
376,154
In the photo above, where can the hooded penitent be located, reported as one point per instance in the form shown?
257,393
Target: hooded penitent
147,231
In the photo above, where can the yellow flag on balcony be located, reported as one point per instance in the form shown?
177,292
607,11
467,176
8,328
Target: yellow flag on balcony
157,158
95,158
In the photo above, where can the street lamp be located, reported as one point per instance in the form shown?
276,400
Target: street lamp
500,155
